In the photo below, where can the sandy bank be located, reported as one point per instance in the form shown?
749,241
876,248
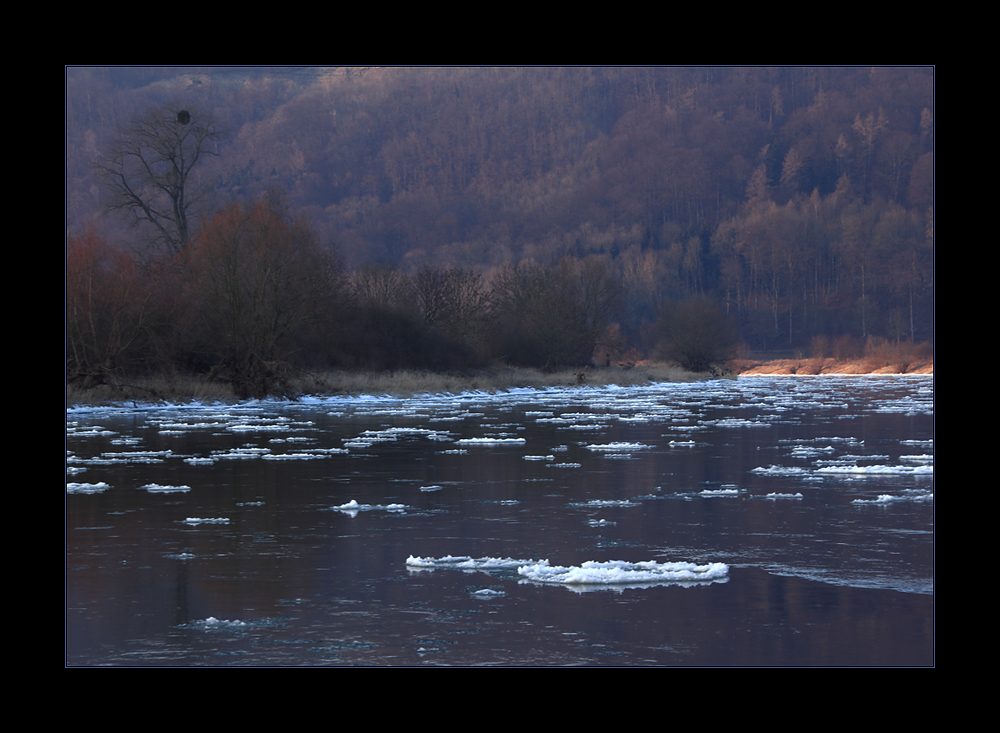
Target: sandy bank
747,367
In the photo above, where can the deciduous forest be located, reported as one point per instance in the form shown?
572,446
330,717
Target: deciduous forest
246,222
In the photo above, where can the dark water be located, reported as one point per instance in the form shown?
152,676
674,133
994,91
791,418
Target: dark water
816,492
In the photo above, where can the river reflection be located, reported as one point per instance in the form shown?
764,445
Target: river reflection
278,533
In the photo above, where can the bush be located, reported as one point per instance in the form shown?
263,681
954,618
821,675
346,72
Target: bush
259,279
107,313
697,335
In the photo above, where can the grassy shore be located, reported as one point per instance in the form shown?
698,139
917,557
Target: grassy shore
403,383
406,383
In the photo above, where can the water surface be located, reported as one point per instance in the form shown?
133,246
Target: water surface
277,533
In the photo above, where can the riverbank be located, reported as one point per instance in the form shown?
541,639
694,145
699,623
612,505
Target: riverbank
402,383
748,367
406,383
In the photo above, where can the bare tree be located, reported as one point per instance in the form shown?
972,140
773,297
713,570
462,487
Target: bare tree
149,170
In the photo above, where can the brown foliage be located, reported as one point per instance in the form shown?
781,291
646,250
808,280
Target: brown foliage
697,335
258,278
106,309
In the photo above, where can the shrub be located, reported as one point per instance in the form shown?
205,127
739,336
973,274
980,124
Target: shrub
697,335
106,310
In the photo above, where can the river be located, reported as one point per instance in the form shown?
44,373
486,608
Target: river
761,521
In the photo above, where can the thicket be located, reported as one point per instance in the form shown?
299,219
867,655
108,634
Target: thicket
255,299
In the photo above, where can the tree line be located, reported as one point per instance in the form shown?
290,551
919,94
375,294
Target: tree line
254,298
798,201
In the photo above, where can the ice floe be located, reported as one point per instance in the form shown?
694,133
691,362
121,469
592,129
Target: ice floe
491,441
193,521
598,503
618,447
78,488
855,470
216,624
774,470
913,495
353,507
616,572
465,562
160,489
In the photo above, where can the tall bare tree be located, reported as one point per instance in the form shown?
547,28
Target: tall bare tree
149,170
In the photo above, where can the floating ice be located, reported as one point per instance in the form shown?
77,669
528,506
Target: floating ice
773,470
88,431
596,503
617,572
923,458
211,623
293,456
76,488
197,520
889,498
491,441
618,447
240,453
138,455
876,470
352,507
464,562
160,489
775,495
734,422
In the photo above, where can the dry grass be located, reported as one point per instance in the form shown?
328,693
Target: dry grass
152,389
834,366
402,383
406,383
849,355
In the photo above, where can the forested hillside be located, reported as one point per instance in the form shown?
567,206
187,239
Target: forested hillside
799,200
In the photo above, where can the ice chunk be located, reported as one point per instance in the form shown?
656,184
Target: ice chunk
77,488
464,562
491,441
618,572
352,507
197,520
877,470
160,489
